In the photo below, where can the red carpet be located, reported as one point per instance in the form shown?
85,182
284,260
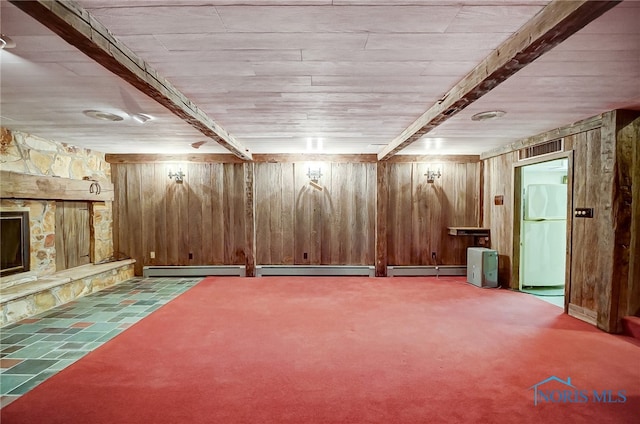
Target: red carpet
348,350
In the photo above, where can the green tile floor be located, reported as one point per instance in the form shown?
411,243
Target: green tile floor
36,348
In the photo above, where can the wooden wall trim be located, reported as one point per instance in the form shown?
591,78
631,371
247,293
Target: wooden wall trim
575,128
249,220
167,158
620,126
382,200
555,23
25,186
435,158
631,304
582,313
608,286
76,26
282,158
314,157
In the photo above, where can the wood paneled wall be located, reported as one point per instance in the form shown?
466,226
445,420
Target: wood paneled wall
585,272
209,219
498,181
418,213
299,224
198,222
604,274
630,300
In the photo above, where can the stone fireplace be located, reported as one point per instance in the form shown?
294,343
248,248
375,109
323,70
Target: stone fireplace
39,178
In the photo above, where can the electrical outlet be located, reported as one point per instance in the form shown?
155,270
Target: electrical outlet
190,255
433,255
152,255
305,255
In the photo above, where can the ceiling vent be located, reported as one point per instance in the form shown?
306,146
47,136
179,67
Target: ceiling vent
541,149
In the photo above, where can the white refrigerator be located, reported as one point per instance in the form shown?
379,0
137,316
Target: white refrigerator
544,235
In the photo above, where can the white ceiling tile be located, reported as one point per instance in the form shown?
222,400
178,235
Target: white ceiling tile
353,72
252,41
455,41
338,19
177,19
477,19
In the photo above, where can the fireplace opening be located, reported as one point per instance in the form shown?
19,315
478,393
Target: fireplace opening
14,242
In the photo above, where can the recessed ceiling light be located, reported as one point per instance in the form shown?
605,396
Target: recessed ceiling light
485,116
141,117
6,42
102,116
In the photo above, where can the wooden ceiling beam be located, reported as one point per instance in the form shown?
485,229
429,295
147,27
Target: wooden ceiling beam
76,26
555,23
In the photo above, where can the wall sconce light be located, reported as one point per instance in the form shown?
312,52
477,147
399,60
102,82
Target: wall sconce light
432,175
314,176
179,176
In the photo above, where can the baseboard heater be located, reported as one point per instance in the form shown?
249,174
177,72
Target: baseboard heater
426,270
193,271
315,270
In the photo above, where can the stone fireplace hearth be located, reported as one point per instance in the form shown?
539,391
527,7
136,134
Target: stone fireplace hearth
36,176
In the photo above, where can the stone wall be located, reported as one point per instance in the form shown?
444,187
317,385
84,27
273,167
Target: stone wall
28,154
40,301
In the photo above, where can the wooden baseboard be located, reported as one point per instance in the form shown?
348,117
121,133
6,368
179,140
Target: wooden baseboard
583,314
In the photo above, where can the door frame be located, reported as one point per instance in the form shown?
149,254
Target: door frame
517,213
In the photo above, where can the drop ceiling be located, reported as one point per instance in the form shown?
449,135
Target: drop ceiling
278,75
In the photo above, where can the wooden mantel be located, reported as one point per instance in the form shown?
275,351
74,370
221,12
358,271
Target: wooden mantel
14,185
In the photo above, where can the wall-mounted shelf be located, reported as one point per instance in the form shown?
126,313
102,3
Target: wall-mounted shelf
24,186
469,231
480,235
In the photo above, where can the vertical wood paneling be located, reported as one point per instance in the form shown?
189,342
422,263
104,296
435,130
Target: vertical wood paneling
498,181
234,206
267,176
195,200
174,222
584,266
369,218
204,215
619,133
72,235
630,302
602,247
273,239
157,205
399,235
149,218
249,220
419,213
288,203
218,216
334,225
134,213
61,257
327,229
578,144
382,207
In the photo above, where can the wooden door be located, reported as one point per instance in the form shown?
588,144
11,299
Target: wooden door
72,234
